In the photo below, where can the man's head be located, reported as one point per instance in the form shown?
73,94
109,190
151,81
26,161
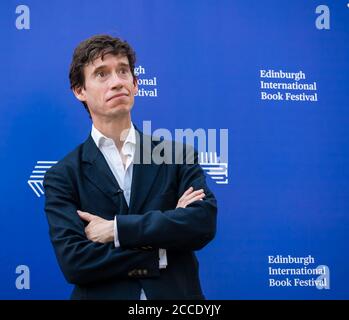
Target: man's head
102,75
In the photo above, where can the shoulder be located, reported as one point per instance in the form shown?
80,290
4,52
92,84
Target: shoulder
68,164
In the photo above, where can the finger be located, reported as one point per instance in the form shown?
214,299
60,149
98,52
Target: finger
194,194
188,191
198,197
85,215
181,204
188,195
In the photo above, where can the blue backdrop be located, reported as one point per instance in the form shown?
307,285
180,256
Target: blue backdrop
287,189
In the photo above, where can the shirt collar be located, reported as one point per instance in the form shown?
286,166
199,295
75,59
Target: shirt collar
101,140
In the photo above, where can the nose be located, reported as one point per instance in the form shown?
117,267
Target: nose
115,81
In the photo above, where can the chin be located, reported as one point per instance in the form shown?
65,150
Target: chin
120,110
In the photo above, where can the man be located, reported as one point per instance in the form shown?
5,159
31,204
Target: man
124,227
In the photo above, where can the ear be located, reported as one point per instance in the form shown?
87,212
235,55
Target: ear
79,93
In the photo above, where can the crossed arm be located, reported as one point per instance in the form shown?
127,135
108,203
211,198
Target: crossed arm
102,230
190,226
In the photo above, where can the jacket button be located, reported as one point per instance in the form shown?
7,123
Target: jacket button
131,273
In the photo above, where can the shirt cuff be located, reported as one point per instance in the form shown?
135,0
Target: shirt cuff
116,238
162,259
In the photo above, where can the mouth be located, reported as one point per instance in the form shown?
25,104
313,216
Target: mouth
119,95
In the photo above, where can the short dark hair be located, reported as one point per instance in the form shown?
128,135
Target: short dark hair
93,48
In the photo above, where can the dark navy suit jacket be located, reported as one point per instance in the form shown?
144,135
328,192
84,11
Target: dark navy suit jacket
83,180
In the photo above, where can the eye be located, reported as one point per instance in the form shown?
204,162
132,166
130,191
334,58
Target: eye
123,71
100,74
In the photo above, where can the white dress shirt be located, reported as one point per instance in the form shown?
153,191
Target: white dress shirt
121,165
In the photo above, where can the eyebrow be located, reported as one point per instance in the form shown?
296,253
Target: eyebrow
104,66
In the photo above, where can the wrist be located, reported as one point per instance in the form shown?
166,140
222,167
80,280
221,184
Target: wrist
111,232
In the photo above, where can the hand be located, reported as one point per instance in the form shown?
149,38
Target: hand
189,197
98,229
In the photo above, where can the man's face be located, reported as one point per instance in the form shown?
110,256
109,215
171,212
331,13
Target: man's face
109,87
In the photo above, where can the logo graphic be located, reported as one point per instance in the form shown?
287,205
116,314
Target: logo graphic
217,170
37,177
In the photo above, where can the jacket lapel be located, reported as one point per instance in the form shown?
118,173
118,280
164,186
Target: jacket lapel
96,169
144,173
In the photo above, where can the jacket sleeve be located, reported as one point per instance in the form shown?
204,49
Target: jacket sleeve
189,228
81,260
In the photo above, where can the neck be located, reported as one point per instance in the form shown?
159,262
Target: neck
113,128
